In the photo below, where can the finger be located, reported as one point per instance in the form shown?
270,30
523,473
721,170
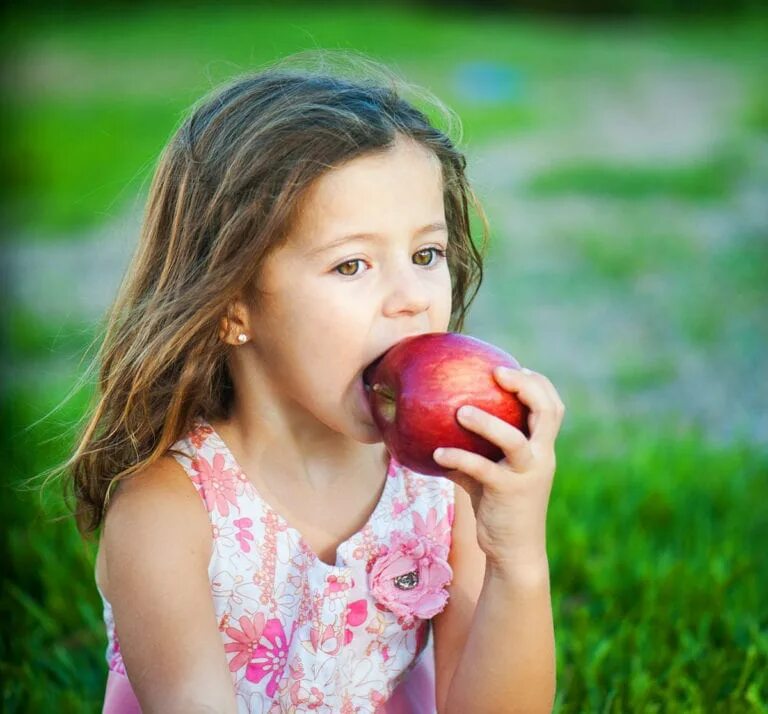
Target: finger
469,463
557,410
510,440
548,387
558,406
536,392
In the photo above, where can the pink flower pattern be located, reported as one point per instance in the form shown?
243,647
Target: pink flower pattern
115,657
270,658
245,640
357,614
293,627
432,529
217,484
244,533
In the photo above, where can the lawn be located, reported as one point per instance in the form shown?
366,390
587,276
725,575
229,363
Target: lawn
654,533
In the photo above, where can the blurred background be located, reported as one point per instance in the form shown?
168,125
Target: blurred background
621,152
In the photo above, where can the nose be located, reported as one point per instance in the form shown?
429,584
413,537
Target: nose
408,294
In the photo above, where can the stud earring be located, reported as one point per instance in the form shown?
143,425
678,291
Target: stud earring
242,337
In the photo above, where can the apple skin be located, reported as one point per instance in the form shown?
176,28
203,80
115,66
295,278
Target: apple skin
416,387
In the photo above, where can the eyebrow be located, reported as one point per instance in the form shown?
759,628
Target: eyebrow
430,228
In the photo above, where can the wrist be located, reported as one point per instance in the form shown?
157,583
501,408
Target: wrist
530,570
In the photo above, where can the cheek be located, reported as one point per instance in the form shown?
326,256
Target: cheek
441,313
331,328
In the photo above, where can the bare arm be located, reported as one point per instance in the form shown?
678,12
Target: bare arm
157,542
494,642
508,664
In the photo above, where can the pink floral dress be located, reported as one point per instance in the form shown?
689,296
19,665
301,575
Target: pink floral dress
301,635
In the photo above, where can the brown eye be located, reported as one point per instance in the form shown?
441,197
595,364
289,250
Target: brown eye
431,251
440,254
349,262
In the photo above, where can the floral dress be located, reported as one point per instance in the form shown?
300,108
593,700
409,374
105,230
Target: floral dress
301,635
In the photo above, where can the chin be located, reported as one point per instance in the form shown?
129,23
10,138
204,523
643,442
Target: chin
372,437
363,433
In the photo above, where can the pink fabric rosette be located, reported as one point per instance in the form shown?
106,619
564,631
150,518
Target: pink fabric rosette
409,577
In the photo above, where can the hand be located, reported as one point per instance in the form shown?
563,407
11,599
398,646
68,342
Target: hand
510,497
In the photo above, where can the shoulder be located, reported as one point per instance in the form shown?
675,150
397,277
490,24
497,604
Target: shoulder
152,514
159,491
157,544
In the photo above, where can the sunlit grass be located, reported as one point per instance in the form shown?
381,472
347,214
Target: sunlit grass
659,576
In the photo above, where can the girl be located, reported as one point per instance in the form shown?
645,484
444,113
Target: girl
260,550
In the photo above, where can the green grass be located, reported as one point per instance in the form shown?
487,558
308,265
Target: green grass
656,562
28,335
637,372
655,537
701,181
83,162
53,645
630,253
655,544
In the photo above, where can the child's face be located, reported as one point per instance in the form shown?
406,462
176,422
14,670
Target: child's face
320,327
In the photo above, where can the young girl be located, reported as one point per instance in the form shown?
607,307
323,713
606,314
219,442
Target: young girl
260,550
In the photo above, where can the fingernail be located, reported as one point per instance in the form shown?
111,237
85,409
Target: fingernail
525,370
438,453
465,411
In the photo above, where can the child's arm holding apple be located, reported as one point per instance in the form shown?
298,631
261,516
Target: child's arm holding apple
498,655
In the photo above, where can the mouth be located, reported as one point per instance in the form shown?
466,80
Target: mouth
368,371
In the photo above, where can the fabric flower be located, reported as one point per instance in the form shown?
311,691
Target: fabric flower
409,577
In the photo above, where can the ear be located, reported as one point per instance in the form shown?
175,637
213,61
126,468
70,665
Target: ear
235,322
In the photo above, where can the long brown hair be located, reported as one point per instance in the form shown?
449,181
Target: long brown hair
224,194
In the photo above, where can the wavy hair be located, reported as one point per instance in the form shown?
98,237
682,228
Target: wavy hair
224,194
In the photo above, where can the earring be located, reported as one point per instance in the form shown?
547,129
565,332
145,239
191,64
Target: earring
242,337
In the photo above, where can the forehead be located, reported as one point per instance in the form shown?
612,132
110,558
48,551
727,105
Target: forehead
373,193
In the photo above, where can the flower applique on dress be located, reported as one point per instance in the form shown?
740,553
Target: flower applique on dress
409,576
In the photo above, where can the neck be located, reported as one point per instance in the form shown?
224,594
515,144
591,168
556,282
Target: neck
319,460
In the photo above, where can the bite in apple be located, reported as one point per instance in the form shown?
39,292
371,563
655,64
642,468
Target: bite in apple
418,385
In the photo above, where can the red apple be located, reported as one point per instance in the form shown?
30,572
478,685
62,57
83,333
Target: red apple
416,387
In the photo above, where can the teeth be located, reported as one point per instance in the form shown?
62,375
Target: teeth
369,369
